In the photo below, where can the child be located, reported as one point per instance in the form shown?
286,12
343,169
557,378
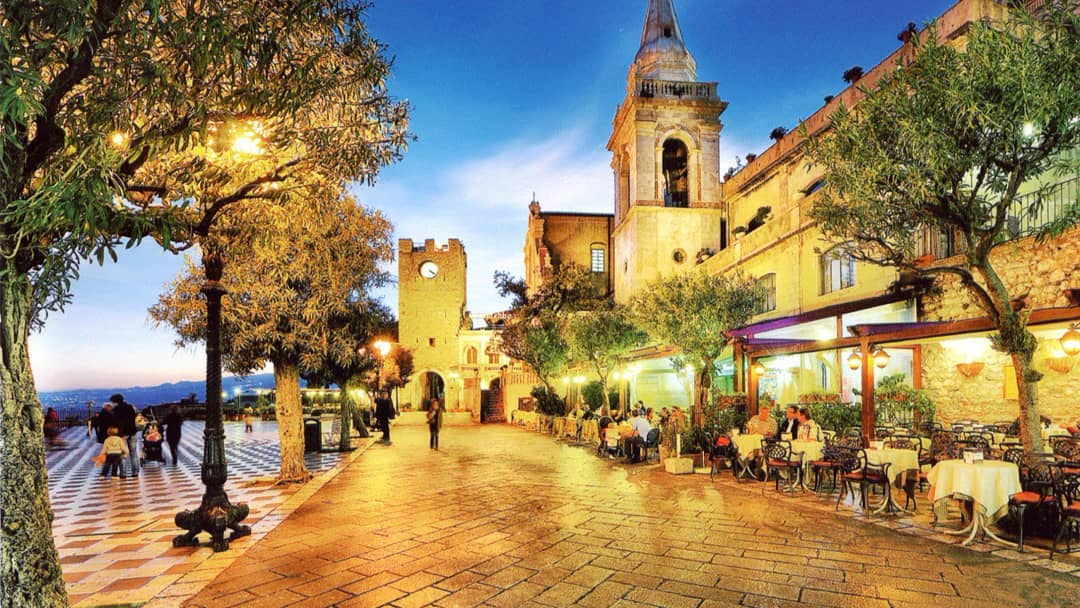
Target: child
249,419
114,450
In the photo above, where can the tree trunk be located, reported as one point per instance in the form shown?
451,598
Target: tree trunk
290,419
703,382
347,409
29,564
1027,393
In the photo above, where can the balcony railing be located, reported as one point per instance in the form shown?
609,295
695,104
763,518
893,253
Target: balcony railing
675,89
1024,219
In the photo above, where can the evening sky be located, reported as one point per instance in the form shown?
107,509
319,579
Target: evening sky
508,98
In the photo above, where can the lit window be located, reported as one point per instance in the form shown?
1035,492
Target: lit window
597,259
837,270
493,358
768,283
470,356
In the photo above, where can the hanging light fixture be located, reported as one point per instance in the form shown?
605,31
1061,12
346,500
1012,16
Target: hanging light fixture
854,360
758,368
1070,340
881,358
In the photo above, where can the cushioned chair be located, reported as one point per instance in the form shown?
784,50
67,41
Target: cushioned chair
602,427
829,464
854,469
723,451
779,459
1038,494
1068,491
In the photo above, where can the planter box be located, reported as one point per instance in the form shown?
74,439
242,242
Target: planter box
679,466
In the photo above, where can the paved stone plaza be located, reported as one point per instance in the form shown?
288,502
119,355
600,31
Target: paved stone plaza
505,517
115,535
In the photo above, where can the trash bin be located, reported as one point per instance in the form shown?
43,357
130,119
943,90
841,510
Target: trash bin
312,434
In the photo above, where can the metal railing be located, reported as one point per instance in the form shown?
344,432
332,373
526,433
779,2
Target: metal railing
1028,214
675,88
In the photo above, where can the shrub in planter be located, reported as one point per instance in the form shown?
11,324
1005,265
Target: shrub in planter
548,403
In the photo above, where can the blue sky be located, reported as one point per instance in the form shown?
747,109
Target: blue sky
508,98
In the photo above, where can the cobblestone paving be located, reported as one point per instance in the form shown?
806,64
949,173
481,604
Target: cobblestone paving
114,536
505,517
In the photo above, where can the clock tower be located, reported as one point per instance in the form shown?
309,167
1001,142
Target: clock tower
431,310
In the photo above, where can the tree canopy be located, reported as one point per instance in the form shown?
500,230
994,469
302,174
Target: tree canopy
694,312
948,141
599,337
297,295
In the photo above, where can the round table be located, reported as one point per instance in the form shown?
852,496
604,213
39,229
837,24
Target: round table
811,451
748,446
989,483
900,461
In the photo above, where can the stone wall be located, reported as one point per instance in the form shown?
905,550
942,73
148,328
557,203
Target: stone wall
981,397
1043,271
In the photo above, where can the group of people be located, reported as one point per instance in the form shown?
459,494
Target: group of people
117,428
633,428
797,424
385,411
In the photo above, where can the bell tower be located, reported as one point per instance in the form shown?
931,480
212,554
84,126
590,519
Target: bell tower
665,156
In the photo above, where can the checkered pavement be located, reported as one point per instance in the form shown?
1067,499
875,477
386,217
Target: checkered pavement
115,535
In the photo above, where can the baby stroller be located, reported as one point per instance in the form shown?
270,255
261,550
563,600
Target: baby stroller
152,441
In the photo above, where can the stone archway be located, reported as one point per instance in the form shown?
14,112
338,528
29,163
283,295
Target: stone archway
432,386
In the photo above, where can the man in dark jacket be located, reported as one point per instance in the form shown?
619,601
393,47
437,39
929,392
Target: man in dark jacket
384,411
103,421
124,416
790,423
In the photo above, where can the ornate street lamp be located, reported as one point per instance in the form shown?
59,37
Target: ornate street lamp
1070,340
216,513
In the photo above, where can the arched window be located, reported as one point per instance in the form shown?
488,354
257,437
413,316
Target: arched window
837,270
597,257
470,355
768,283
675,173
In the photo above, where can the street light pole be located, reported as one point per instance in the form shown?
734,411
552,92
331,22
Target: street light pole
215,513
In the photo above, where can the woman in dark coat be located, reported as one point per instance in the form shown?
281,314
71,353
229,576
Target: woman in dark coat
173,421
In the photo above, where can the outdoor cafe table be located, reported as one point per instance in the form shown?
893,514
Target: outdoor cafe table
900,461
989,483
748,445
811,451
590,430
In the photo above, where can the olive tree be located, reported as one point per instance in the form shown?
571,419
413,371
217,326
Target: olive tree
946,140
694,312
124,120
296,298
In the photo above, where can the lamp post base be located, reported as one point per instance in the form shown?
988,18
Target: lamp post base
213,516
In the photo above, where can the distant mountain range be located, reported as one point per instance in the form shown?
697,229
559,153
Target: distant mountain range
74,401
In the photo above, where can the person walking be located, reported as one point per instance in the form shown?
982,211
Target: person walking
124,414
384,411
249,420
173,421
434,420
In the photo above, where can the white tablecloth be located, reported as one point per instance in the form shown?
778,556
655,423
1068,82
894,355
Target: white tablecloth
812,450
748,444
990,482
899,460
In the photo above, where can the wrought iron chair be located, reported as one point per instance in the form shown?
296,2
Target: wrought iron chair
780,459
1038,492
723,450
1068,491
829,464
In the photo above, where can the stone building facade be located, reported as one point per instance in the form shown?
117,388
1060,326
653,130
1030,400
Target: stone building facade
672,213
452,361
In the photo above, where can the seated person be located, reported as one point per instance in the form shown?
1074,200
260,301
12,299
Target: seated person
762,424
790,425
650,416
635,442
808,428
665,413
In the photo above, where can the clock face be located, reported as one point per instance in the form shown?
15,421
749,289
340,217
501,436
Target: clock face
429,269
